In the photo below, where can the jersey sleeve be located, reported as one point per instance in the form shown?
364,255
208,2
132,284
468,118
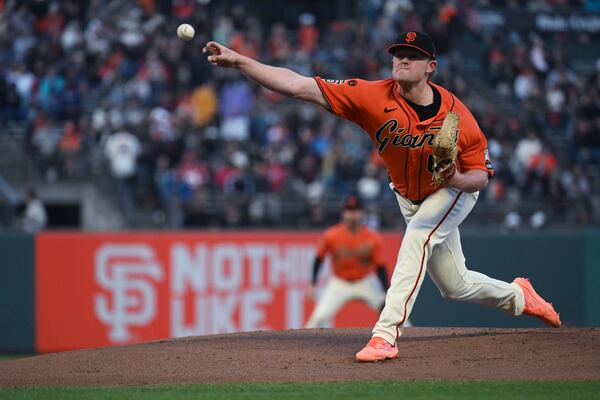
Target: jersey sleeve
344,96
473,152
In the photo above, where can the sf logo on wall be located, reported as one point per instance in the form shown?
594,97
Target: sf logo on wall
126,272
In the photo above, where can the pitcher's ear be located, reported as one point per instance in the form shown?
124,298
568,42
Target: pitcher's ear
432,66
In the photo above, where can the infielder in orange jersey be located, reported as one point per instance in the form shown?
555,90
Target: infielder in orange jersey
402,115
356,252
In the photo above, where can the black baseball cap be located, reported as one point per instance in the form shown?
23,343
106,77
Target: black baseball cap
352,203
416,40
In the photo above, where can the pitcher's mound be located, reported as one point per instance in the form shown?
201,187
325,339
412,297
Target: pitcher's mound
320,355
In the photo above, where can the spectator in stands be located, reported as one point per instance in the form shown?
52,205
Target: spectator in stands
192,173
576,188
34,216
69,149
526,85
118,64
45,139
171,192
308,34
540,173
587,142
24,81
10,102
539,58
235,105
369,185
50,92
122,150
527,147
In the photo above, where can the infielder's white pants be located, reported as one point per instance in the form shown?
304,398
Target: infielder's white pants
432,242
337,293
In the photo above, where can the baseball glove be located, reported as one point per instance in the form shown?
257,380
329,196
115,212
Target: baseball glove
445,150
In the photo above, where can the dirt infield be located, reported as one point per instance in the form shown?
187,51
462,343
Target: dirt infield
322,356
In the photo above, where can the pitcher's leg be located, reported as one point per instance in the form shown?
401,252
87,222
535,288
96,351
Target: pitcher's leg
405,284
365,291
441,213
335,295
447,269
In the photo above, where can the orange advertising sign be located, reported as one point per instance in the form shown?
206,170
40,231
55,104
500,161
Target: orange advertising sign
105,289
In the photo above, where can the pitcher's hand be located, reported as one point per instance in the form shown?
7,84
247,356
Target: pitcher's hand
220,55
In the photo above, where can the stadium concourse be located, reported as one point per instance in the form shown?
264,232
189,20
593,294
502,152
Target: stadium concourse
104,92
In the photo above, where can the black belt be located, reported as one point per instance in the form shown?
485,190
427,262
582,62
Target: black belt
415,202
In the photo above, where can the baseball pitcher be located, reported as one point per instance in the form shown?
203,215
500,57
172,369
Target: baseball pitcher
436,156
356,252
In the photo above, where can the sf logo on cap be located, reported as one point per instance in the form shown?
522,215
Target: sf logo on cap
410,37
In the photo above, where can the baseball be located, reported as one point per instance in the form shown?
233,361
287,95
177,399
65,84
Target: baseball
185,31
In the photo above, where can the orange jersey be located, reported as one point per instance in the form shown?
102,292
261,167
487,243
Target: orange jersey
354,255
404,142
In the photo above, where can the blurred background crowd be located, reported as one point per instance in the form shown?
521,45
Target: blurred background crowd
104,93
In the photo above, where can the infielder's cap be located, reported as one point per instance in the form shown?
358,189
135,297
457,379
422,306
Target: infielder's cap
353,203
416,40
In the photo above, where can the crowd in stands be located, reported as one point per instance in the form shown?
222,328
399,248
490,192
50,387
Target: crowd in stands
107,86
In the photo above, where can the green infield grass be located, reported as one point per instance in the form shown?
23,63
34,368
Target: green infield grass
6,357
318,391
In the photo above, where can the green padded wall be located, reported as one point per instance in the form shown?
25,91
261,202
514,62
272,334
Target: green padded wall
17,293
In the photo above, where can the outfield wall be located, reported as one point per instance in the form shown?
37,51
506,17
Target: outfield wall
17,292
67,290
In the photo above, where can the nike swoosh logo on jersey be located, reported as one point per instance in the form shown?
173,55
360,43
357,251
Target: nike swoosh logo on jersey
387,110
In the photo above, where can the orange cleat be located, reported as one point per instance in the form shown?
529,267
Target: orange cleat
536,306
377,350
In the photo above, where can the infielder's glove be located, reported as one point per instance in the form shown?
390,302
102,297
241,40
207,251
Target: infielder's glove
445,150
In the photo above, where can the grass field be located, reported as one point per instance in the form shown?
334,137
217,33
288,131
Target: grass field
6,357
325,391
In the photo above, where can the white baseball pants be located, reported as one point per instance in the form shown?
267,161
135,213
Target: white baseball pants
432,242
337,293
